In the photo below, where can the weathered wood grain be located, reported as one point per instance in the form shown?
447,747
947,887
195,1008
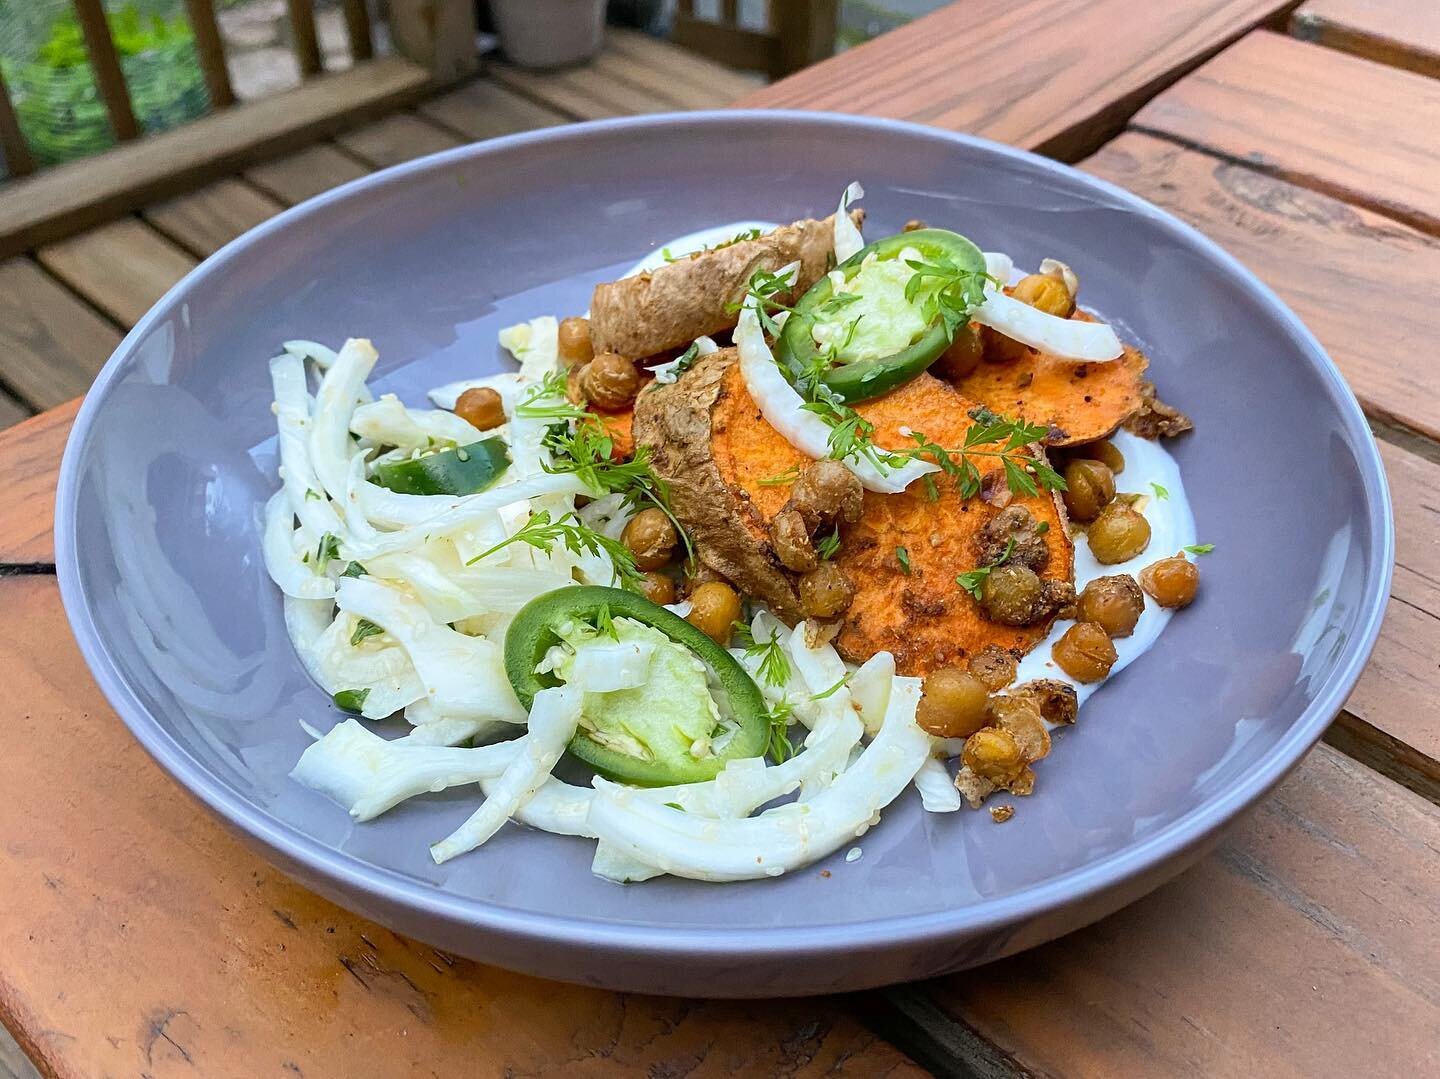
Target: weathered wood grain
12,411
51,344
554,93
1311,249
399,137
671,92
1399,33
206,220
1366,133
31,452
680,65
140,938
69,198
122,268
1058,77
1307,945
484,110
308,172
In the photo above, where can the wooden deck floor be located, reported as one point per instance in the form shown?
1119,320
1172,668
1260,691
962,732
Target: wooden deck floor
65,306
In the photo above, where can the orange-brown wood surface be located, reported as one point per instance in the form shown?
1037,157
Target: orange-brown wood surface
29,462
1058,77
1307,945
1400,33
1311,248
1355,129
137,937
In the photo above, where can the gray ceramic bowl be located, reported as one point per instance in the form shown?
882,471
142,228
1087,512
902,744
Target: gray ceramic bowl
158,544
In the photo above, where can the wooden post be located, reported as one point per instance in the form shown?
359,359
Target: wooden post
18,160
804,32
307,44
109,79
439,34
730,12
357,26
211,52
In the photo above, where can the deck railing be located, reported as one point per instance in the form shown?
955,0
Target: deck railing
796,33
440,34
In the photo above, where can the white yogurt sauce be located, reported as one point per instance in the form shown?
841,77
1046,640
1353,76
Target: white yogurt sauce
1172,525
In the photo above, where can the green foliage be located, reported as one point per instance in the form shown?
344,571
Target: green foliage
60,109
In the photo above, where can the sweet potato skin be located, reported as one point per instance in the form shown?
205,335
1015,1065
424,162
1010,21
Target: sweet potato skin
924,618
680,422
669,307
1081,402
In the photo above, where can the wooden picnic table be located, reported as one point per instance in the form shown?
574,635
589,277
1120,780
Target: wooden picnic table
137,937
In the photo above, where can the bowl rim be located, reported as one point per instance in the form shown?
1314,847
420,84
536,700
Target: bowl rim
390,889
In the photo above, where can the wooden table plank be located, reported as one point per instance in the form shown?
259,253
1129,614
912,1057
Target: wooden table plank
68,198
484,109
1058,77
51,344
680,64
312,170
553,93
1310,247
251,967
399,137
674,92
1363,132
206,220
122,268
1307,945
12,411
1400,33
31,455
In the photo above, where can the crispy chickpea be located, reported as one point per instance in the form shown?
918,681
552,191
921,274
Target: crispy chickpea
914,225
791,540
1021,718
610,382
994,666
1106,453
1089,488
825,591
1045,293
963,355
1084,652
1119,534
1112,603
658,588
1171,582
953,704
716,609
651,537
481,408
827,491
998,348
1010,594
575,346
992,753
697,575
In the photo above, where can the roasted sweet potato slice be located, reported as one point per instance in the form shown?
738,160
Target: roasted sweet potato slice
1081,402
716,449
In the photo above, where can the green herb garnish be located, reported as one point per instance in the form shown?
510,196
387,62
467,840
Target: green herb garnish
1199,548
974,580
828,546
903,557
542,533
1160,492
364,628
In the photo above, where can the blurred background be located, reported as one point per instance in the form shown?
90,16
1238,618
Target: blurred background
45,65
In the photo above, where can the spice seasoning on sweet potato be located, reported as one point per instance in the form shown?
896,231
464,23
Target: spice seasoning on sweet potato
722,461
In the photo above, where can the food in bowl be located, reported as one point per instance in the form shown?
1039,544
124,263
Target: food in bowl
787,523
